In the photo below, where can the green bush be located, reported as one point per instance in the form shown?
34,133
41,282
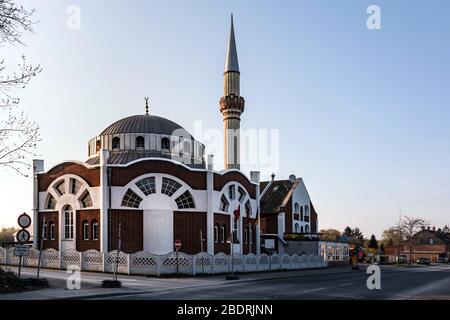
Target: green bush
10,282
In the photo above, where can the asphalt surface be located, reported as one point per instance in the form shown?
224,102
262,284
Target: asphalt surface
396,283
428,282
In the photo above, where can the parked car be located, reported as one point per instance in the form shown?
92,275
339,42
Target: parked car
402,259
425,261
441,260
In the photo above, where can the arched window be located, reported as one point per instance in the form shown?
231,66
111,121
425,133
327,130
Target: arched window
51,202
306,213
248,209
116,143
131,199
301,214
232,192
216,233
97,146
86,200
140,142
169,186
68,223
51,229
60,187
242,194
306,229
296,228
186,147
75,186
95,230
296,208
185,201
147,185
165,144
85,230
224,204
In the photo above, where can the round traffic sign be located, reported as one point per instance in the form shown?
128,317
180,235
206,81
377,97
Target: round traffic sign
177,244
23,236
24,220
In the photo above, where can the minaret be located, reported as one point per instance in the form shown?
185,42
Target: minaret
232,105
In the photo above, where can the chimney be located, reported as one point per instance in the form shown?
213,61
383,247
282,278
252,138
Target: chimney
210,162
434,228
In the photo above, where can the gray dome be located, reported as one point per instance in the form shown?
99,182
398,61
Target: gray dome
146,124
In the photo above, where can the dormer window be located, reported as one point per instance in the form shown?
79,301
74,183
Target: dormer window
116,143
165,144
140,143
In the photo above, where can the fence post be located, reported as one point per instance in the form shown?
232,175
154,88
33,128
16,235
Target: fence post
158,265
257,262
128,264
193,265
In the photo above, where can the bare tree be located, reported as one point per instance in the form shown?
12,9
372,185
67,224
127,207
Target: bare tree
408,228
18,135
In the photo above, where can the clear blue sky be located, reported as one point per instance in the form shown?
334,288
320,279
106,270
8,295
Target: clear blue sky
363,115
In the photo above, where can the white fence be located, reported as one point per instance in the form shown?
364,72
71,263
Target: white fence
146,263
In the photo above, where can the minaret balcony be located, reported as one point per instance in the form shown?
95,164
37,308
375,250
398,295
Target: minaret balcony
232,103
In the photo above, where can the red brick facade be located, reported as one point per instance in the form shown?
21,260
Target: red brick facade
132,228
221,180
186,227
49,242
222,220
90,175
90,216
121,176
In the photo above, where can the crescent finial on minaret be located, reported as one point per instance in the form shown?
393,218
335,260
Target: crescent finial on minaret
146,105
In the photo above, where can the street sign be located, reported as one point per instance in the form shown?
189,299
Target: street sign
24,220
177,244
21,250
23,236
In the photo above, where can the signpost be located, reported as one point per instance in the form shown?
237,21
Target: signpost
22,236
177,245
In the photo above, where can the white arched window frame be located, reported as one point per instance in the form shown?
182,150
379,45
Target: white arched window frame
306,214
68,223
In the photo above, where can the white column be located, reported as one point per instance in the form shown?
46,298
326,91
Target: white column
255,178
104,200
38,166
210,212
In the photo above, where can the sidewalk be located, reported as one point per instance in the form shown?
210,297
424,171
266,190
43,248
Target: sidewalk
90,283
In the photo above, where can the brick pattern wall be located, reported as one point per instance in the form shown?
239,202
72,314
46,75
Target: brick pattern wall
91,176
121,176
186,227
222,219
221,180
90,216
132,230
269,224
49,217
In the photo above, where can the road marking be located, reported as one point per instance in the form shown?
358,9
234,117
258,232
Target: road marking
311,290
346,284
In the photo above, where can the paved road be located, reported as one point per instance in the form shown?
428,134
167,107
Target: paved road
415,283
333,283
